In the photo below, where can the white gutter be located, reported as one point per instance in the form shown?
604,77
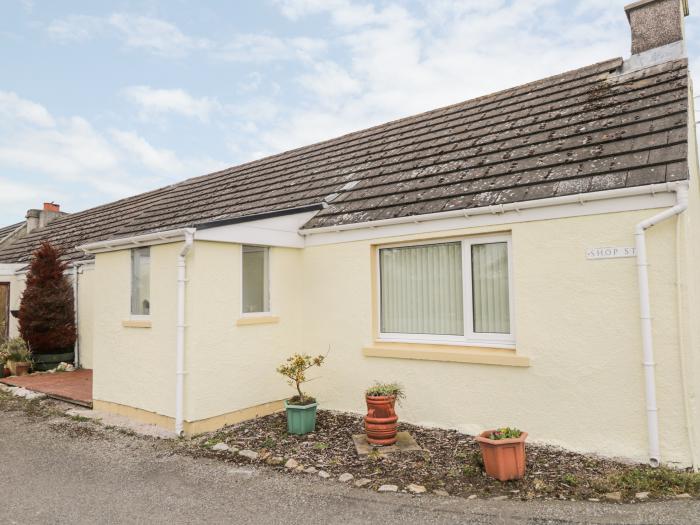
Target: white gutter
580,198
645,316
148,239
180,344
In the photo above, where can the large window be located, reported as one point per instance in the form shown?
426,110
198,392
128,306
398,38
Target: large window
256,295
447,292
141,281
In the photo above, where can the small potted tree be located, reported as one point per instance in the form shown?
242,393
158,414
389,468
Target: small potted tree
300,409
46,315
503,452
381,421
17,356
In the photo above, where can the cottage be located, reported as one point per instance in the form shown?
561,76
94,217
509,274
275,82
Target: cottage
526,258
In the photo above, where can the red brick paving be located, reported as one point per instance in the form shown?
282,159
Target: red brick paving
71,386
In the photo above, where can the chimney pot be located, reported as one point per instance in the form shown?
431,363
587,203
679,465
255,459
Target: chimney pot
50,206
655,23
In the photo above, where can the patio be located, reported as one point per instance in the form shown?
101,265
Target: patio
73,387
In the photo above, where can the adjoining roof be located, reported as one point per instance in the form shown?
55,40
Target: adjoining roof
586,130
6,231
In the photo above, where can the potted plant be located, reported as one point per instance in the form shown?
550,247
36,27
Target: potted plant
503,452
381,421
4,356
300,409
18,358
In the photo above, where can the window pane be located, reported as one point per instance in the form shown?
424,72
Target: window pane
141,281
255,279
490,288
421,289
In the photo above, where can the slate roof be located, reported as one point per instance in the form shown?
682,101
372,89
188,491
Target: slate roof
586,130
7,230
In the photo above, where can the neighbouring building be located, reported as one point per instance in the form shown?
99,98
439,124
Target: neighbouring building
525,258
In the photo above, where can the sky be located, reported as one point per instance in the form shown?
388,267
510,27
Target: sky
101,100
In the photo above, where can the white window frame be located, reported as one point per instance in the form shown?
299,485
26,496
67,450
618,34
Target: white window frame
470,338
266,282
132,315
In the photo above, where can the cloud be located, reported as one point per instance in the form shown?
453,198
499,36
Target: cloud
160,101
138,32
68,159
262,48
154,35
14,107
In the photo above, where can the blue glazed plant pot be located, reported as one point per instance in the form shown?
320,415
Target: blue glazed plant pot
301,419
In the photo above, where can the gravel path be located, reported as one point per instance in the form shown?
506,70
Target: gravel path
64,471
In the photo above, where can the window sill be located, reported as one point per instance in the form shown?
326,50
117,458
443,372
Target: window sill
257,319
136,323
447,353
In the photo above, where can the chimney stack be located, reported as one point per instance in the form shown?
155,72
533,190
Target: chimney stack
656,23
33,219
40,218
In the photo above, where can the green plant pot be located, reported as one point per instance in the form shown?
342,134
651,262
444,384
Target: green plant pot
301,419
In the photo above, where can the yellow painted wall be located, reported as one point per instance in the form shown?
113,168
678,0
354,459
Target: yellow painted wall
86,306
135,366
576,319
231,367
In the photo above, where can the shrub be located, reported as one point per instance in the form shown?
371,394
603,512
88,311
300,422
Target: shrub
46,315
505,433
15,350
295,370
387,389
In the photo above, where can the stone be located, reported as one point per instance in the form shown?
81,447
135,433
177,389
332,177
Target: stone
473,496
323,474
499,498
362,482
248,454
311,470
344,478
642,495
220,447
275,460
440,492
614,496
593,499
291,463
300,468
388,488
416,489
685,495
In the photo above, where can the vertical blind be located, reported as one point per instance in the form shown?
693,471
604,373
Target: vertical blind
490,288
421,289
255,297
141,281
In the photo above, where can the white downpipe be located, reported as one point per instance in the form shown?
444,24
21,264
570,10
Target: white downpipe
76,318
180,350
645,316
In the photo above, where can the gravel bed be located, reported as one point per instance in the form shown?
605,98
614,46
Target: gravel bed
450,462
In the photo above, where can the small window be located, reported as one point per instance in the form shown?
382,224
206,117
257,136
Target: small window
447,292
141,281
256,295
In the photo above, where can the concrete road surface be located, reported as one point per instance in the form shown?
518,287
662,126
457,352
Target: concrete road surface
50,476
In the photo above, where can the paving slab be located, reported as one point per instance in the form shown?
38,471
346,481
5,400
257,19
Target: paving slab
404,443
73,387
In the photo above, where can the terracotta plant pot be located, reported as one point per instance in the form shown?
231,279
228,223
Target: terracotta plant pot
504,459
381,421
22,368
